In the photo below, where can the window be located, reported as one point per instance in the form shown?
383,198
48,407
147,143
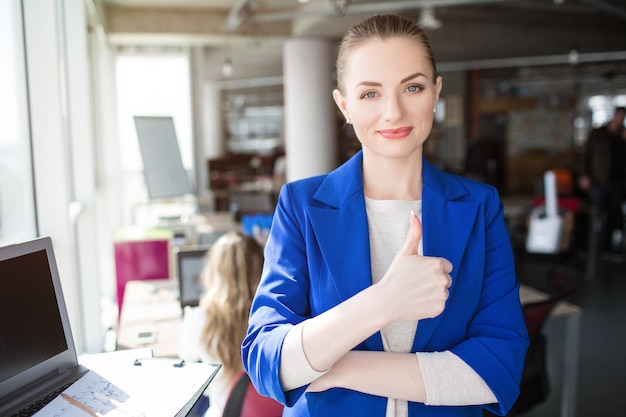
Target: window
155,84
17,207
603,106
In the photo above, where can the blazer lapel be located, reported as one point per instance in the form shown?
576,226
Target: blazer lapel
344,242
447,226
341,229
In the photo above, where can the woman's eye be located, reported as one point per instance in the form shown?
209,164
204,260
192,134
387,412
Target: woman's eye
413,88
369,94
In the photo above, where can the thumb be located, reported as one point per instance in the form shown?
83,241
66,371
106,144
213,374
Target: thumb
413,237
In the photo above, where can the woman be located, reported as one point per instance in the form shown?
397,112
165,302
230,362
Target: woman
213,332
360,312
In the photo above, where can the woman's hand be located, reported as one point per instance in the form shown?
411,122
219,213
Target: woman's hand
415,287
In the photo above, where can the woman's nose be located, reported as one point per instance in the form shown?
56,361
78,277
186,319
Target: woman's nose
393,108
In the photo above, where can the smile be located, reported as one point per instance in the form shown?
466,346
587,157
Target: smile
395,133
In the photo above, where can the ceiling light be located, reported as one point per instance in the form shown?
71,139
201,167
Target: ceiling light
427,19
340,6
227,67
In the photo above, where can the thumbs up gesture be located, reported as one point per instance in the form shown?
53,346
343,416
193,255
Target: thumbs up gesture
415,287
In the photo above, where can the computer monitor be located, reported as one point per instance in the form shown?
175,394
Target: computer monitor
189,264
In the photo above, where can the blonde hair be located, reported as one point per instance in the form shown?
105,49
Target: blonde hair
381,26
230,278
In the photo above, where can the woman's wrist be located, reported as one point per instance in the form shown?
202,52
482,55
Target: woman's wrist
381,306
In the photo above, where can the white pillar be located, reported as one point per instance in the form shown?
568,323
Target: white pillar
213,142
310,115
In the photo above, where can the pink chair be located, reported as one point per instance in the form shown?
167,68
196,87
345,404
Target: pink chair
141,257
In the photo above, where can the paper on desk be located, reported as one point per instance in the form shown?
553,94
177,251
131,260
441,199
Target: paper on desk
156,389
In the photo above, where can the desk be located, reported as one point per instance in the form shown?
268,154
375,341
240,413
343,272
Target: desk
153,305
150,313
151,316
571,343
157,390
201,228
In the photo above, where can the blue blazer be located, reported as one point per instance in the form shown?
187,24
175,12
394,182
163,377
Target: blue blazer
318,255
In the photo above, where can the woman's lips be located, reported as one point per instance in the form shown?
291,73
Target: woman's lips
395,133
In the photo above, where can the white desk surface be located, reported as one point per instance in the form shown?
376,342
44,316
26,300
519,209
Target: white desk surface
150,306
154,389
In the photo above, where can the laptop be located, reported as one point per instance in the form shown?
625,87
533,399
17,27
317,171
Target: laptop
189,265
37,354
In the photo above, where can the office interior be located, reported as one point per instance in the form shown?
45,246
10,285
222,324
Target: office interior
524,82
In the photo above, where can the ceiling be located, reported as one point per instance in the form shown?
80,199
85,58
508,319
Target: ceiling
473,33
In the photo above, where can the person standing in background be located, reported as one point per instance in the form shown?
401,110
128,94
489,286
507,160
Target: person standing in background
602,177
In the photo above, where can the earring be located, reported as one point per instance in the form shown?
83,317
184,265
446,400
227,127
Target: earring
435,110
348,121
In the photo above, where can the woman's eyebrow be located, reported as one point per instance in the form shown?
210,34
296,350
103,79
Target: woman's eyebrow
405,79
369,84
412,76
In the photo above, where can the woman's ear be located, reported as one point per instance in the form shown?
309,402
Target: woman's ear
340,102
438,87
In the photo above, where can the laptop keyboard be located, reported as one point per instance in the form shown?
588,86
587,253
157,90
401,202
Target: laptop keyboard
31,409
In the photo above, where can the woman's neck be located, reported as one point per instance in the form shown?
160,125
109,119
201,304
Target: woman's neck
393,179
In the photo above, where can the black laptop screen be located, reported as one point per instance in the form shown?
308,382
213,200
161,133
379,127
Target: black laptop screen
28,314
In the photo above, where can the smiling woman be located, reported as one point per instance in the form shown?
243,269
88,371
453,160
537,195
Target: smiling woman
403,96
389,286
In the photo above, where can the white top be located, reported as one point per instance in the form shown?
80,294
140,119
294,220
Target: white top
447,378
190,349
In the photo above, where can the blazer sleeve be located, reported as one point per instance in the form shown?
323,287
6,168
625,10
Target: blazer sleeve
281,300
497,339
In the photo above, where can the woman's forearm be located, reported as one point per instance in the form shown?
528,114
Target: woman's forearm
328,337
413,288
433,378
386,374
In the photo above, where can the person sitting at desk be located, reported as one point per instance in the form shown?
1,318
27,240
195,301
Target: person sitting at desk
213,331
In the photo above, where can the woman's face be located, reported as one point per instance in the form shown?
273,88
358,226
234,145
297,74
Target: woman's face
389,93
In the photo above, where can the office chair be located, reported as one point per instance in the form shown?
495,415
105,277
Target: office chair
245,401
141,255
535,385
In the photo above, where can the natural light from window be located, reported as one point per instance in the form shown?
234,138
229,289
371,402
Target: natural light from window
151,85
17,206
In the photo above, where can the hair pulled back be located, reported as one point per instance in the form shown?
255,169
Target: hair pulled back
381,26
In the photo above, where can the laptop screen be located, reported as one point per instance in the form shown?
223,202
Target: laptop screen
27,282
35,338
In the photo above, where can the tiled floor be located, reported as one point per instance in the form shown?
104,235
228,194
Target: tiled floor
601,389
